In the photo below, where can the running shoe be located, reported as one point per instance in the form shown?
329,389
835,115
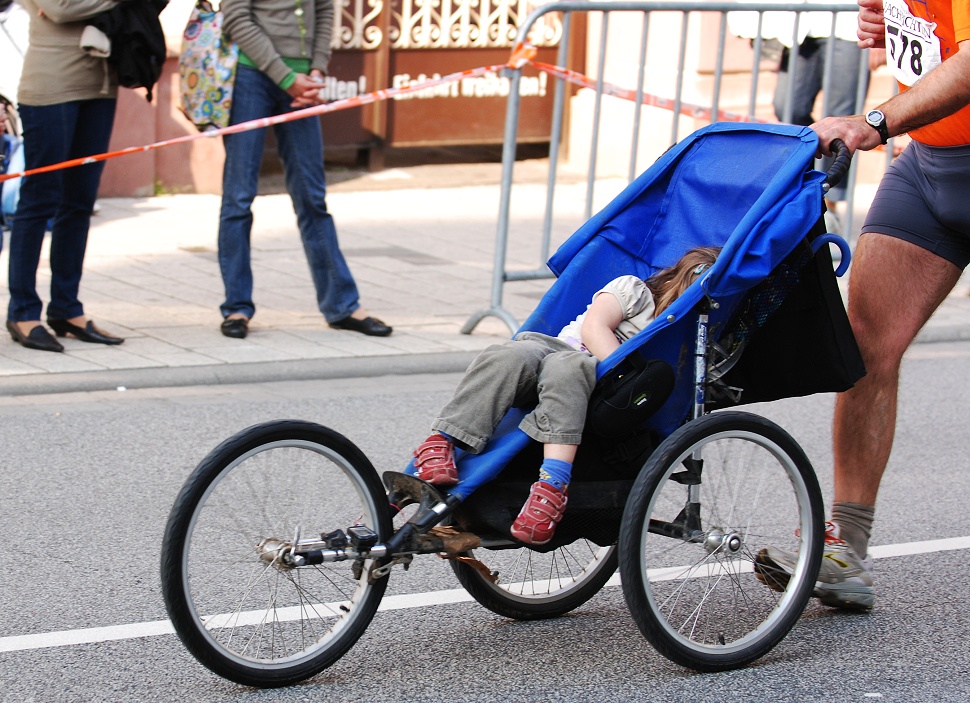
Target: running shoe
844,579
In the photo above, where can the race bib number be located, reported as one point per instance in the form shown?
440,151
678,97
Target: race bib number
912,50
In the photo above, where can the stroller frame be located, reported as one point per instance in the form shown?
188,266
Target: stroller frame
696,512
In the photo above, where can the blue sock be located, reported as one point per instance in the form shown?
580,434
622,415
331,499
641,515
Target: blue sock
447,436
457,444
556,473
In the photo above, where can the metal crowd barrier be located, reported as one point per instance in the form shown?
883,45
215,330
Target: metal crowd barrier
568,8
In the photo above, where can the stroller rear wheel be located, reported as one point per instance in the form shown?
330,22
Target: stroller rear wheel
711,497
532,585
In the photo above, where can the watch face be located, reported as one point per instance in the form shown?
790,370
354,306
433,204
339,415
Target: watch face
877,120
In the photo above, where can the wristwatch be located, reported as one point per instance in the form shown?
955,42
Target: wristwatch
877,120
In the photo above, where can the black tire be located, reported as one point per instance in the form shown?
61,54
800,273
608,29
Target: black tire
703,604
239,611
533,585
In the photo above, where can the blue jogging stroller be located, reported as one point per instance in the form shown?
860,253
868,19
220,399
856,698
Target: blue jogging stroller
279,547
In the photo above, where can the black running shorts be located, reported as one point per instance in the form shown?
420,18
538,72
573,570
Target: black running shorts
924,198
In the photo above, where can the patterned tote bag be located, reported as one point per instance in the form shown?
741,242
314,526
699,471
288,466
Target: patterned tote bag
207,69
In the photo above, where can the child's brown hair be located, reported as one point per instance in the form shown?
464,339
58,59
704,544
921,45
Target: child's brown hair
669,284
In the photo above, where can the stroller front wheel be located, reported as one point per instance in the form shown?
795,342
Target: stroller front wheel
237,603
714,494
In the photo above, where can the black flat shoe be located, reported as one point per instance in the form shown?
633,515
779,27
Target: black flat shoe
370,326
235,327
88,333
39,338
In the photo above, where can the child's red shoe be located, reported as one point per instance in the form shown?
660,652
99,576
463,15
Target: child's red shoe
537,521
434,461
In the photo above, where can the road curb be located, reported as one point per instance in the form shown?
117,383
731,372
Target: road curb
298,370
228,374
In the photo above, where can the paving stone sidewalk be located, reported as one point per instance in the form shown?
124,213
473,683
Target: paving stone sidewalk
420,244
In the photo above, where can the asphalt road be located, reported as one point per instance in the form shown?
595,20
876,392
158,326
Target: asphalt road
89,478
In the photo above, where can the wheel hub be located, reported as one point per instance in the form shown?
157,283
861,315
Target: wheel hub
724,541
273,551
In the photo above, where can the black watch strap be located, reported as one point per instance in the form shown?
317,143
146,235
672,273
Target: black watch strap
877,120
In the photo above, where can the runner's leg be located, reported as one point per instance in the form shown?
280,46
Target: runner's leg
894,287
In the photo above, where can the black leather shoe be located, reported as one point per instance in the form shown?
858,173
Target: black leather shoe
370,326
88,333
235,327
39,338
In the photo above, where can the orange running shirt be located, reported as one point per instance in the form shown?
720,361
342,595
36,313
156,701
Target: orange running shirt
921,34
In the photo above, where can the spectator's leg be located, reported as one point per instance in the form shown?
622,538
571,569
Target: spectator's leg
69,234
301,150
252,99
808,82
847,61
46,141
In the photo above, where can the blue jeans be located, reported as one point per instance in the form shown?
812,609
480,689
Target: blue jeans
300,146
54,133
847,58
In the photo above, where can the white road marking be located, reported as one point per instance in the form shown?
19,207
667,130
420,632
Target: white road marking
94,635
927,547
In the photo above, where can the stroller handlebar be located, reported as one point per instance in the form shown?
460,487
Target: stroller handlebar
839,167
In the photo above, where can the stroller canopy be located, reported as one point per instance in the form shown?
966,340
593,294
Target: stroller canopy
747,188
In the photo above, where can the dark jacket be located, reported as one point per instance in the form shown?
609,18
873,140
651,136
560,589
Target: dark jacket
137,41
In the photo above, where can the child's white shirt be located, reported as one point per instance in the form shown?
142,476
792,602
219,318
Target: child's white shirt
636,302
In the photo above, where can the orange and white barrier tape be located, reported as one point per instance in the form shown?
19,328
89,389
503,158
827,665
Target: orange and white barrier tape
686,109
522,55
356,101
525,53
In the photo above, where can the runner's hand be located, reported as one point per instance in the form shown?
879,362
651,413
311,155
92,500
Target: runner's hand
857,134
872,28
